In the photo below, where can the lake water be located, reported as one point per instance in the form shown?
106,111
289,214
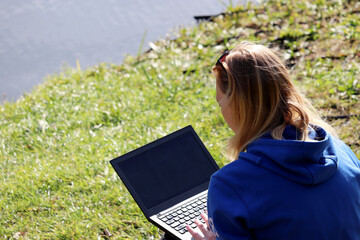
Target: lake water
39,37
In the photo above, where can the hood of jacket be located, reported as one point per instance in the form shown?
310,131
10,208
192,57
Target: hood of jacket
305,162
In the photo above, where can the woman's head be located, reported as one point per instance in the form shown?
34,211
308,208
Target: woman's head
255,91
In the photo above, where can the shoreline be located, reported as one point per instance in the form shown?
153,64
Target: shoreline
89,32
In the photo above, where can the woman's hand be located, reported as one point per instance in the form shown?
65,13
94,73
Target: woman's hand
205,229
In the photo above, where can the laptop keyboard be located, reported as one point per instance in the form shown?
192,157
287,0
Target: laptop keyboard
185,215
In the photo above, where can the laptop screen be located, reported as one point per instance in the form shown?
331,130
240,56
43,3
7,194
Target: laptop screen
168,168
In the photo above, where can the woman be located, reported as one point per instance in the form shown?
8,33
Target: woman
293,179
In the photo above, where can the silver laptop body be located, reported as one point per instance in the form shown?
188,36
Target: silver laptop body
168,179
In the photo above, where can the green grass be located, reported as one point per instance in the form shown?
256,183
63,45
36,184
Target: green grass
56,142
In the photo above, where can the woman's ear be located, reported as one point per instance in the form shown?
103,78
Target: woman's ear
221,78
223,84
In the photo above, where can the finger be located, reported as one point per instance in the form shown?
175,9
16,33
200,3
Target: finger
206,231
209,234
206,220
196,235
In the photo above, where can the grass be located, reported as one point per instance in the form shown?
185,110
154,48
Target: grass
56,142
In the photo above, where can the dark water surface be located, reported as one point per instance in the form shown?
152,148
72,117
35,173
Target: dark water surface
39,37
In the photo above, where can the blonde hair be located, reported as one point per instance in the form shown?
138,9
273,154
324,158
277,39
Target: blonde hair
262,98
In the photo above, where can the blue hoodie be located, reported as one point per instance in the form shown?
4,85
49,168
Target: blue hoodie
288,189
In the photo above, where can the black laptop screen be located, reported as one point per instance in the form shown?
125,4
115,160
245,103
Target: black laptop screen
167,170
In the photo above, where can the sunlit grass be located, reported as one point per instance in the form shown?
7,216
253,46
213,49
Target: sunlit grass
56,142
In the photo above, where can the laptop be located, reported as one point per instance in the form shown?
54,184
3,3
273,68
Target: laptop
168,179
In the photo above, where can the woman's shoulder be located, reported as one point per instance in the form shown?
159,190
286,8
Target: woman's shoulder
239,171
345,151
